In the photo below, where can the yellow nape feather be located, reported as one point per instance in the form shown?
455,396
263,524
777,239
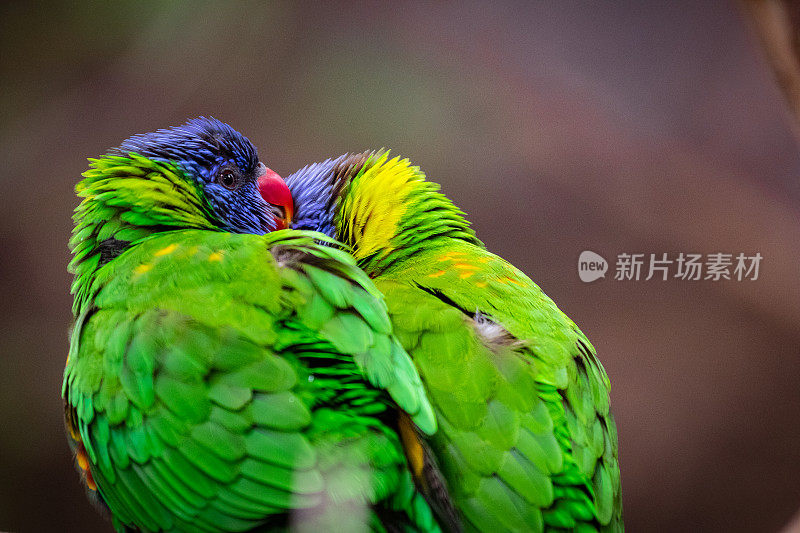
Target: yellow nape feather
378,204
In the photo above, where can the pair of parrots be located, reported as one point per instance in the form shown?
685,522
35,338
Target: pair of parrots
336,352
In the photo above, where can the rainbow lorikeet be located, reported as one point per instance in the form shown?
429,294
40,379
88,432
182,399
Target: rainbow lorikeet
526,441
223,377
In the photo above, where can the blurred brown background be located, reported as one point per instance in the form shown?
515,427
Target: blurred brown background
557,127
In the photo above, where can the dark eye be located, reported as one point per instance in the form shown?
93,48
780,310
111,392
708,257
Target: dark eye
228,178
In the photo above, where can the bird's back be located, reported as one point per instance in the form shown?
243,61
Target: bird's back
204,389
527,441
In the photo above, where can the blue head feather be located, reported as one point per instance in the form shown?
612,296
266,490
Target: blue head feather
318,188
204,148
314,198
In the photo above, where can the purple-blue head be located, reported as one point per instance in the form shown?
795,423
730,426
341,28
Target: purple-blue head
244,194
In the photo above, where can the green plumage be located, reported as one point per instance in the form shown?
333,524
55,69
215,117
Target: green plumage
526,441
226,382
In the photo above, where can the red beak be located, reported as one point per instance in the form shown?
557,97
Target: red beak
275,192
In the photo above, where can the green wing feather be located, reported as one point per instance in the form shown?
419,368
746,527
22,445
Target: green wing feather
223,382
526,440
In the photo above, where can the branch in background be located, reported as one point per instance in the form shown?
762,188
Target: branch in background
793,526
777,23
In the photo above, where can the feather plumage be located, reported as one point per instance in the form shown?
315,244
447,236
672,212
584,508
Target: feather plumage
211,383
526,440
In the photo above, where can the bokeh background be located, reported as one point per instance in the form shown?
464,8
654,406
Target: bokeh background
558,127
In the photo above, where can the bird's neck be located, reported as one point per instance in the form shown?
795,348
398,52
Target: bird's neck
126,200
388,214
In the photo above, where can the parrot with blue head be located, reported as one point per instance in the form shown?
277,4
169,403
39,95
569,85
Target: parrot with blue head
526,439
224,376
